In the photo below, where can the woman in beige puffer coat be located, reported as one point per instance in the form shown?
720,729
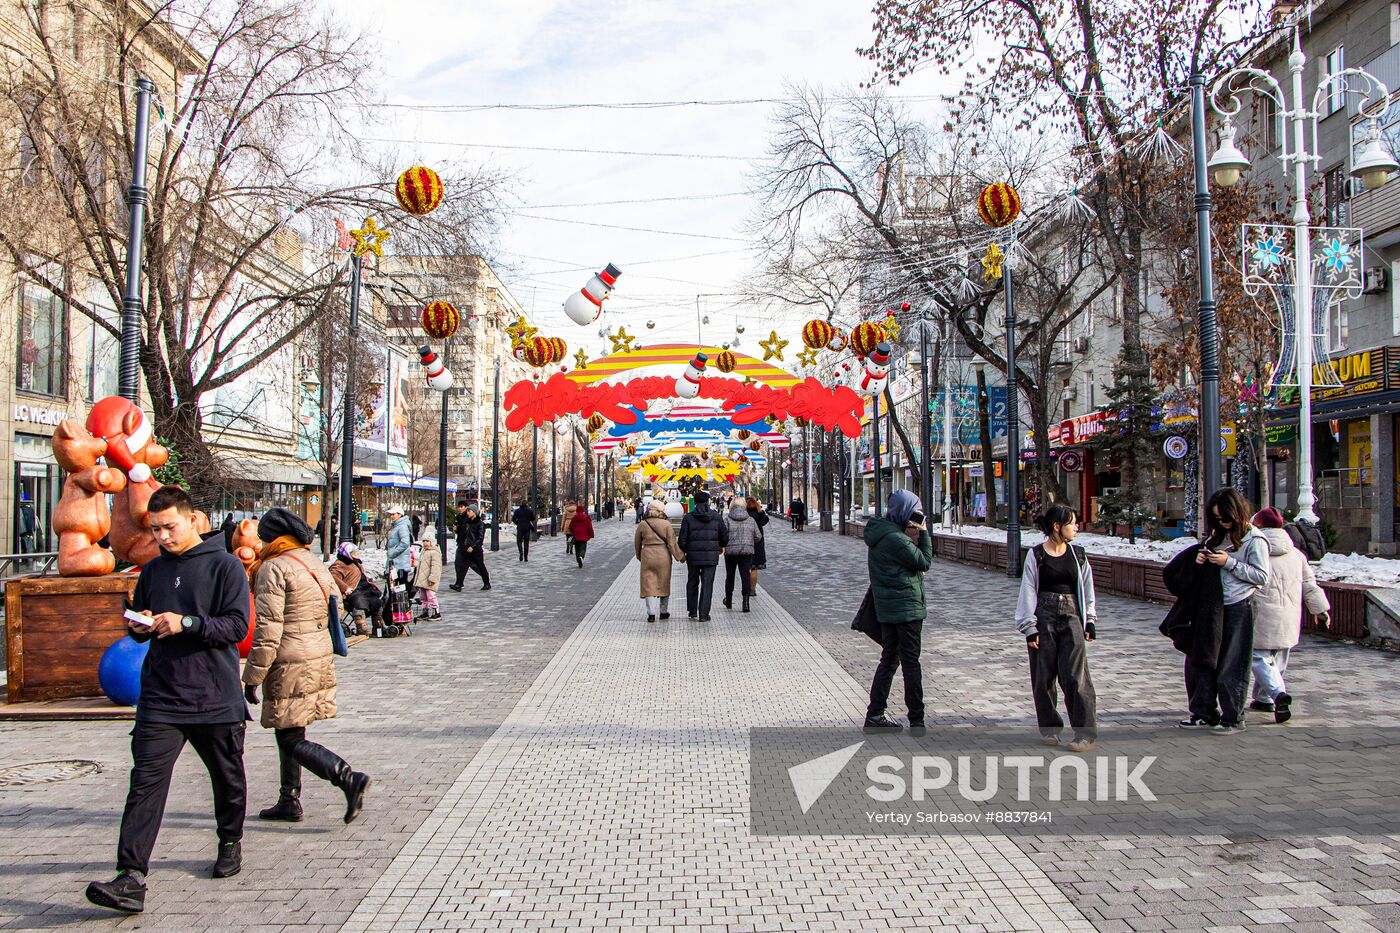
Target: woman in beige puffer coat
292,660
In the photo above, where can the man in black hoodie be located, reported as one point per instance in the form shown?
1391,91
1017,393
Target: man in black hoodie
195,595
471,536
702,540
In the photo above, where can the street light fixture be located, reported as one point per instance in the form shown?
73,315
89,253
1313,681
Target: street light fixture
1373,168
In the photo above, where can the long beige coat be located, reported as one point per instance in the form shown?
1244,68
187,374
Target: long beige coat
569,511
654,543
291,656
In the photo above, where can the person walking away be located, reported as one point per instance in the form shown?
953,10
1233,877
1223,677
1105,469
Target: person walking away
639,509
797,511
702,540
569,509
427,577
416,525
581,527
1278,614
399,549
194,596
897,564
1056,612
654,544
359,596
524,519
1242,554
742,532
471,547
760,546
293,662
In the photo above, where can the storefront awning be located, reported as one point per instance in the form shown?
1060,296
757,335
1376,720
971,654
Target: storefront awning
399,481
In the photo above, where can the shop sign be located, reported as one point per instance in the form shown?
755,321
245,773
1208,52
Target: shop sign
1071,461
1175,447
1229,440
1361,374
1080,429
1279,434
33,414
997,469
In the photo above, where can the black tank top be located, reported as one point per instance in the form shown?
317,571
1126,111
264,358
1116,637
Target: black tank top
1058,574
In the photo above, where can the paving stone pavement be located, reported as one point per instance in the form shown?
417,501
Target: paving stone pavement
413,712
615,795
975,671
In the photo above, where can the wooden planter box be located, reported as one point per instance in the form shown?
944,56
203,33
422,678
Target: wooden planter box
56,631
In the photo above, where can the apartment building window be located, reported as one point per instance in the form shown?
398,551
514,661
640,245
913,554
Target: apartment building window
1334,188
1273,135
1337,325
103,368
40,352
1335,64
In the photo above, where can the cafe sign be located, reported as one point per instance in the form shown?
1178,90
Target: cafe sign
1360,373
1081,429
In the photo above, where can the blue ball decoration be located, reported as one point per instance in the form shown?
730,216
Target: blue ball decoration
119,671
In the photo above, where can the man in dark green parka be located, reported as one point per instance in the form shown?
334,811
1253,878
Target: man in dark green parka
897,565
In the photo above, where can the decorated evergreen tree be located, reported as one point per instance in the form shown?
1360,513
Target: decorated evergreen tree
1130,440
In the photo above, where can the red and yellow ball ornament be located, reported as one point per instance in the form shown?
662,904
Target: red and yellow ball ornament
595,423
440,319
419,190
866,337
558,349
998,205
817,334
539,351
725,361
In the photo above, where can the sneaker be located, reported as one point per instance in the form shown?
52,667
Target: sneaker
1261,706
651,618
1049,740
665,616
1080,746
454,587
704,618
917,727
690,615
126,892
486,587
230,860
1195,723
882,721
1222,728
1283,708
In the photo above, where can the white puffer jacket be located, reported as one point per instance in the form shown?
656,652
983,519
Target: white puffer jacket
1278,604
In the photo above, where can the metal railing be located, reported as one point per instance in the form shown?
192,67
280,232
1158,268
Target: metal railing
23,565
1345,488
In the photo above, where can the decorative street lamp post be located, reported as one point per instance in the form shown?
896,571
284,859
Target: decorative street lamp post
1373,166
129,361
496,459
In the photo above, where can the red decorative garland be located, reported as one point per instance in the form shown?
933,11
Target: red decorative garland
829,407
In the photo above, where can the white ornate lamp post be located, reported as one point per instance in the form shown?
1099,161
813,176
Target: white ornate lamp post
1373,167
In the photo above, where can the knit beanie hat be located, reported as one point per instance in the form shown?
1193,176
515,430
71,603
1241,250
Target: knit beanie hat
702,497
278,522
1269,517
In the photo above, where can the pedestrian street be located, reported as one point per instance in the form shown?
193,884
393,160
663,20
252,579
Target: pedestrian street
546,759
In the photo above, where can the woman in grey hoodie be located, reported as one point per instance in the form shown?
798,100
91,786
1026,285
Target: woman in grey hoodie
738,554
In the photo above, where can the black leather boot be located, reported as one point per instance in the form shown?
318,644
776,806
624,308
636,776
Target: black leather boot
328,766
288,806
746,604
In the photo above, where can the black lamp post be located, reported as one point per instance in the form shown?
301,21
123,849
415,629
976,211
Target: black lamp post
1013,438
129,363
553,480
347,441
442,460
496,460
1206,328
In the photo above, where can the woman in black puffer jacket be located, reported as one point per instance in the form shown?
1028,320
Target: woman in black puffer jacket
760,548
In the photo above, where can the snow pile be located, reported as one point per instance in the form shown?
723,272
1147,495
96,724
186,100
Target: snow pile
1336,568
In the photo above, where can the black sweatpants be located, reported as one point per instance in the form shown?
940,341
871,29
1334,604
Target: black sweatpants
1226,683
1062,659
580,551
743,563
699,589
522,541
155,746
900,646
475,562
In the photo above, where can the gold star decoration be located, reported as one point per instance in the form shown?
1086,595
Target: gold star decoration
622,342
807,357
580,359
521,330
892,328
773,346
991,263
369,238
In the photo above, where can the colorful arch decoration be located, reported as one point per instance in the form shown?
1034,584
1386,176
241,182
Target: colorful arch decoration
679,354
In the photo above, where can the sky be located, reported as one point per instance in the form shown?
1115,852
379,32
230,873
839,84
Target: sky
688,207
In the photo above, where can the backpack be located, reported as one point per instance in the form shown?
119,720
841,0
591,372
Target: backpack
1307,538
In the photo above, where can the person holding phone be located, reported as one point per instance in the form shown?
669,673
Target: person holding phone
899,552
1216,686
1056,612
192,604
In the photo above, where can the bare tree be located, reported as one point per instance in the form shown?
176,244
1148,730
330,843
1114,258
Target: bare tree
253,156
1096,77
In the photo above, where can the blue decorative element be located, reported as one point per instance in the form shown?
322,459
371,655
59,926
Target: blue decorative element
119,671
1268,253
1336,255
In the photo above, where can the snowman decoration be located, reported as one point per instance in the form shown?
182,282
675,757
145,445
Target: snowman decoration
688,385
875,373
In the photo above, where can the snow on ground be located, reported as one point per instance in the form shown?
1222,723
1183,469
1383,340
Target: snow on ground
1337,568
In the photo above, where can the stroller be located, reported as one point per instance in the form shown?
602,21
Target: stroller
396,612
